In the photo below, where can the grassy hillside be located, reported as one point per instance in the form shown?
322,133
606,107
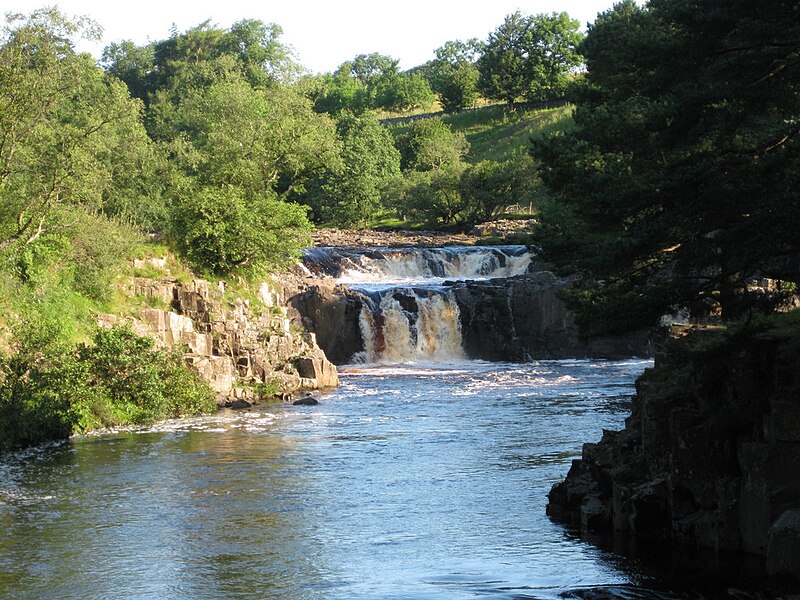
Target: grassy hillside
494,134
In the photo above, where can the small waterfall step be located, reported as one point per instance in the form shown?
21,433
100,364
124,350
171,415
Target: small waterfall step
384,267
407,313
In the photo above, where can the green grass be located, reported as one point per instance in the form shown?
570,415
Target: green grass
494,133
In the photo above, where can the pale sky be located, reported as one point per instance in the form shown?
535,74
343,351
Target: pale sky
323,33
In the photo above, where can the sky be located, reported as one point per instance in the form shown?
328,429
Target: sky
323,33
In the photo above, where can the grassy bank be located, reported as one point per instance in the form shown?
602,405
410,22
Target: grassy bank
60,373
494,133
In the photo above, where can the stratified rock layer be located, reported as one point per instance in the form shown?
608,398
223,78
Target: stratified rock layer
233,347
522,318
710,455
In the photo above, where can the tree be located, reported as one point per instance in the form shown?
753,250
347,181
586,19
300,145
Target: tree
454,75
431,197
222,230
352,193
404,91
340,92
679,184
530,57
254,47
259,140
430,144
490,187
66,129
241,153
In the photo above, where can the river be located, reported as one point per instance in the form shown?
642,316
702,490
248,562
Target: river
412,482
424,475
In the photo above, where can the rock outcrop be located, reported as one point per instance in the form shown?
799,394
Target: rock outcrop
522,318
507,319
710,455
333,313
233,346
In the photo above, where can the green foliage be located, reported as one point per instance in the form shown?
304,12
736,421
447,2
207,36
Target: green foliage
454,75
118,380
679,183
224,231
340,92
229,133
352,194
489,187
495,133
68,131
370,82
146,384
405,91
529,57
254,47
236,148
430,144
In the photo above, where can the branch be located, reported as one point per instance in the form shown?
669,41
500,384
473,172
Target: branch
792,132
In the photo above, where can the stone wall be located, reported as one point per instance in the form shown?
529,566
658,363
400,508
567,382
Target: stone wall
710,455
230,344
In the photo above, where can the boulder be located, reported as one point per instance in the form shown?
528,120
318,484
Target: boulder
307,401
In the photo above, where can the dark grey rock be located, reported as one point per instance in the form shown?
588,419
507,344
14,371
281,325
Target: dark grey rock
307,401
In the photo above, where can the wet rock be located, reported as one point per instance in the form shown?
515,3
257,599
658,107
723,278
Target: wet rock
307,401
333,313
522,318
709,456
240,403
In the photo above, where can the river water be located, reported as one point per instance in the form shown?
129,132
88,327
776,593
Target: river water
423,475
406,482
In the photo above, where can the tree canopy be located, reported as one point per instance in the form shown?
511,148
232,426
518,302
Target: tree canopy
679,185
529,57
454,75
66,129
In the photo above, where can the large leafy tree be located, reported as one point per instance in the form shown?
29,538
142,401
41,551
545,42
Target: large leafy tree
66,129
454,75
429,145
529,57
351,194
680,182
241,154
255,47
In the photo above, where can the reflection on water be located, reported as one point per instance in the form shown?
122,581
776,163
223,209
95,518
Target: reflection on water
407,482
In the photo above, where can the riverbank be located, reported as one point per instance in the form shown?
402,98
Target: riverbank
710,453
501,231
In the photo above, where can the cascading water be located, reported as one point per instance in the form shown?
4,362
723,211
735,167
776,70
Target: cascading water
403,325
408,313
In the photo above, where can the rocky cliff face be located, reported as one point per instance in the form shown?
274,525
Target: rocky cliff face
522,318
710,455
231,345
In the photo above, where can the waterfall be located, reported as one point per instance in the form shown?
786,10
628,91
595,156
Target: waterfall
404,325
407,310
383,267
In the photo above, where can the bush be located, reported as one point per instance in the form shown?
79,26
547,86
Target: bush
121,379
224,231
